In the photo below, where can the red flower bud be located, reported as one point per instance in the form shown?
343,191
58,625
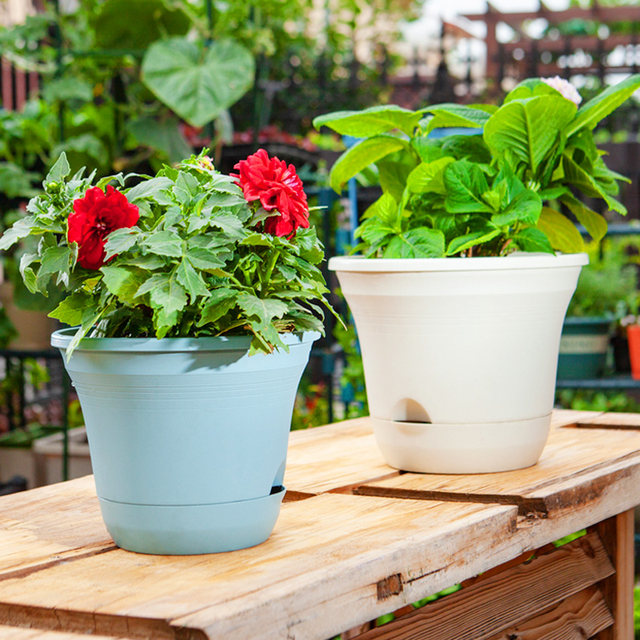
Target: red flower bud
94,217
278,188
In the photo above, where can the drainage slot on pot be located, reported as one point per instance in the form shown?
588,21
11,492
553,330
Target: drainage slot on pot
409,410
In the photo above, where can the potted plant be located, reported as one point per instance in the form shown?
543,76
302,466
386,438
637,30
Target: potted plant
195,297
600,296
460,293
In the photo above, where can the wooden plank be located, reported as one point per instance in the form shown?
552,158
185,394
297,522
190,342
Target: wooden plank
47,526
341,456
618,539
333,457
609,421
332,562
576,465
19,633
576,618
503,600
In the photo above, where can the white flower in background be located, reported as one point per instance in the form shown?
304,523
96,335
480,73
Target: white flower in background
563,86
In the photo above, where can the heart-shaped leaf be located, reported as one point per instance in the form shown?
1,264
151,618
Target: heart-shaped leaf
198,83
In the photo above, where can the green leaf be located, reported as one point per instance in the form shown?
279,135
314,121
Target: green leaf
217,305
595,224
198,83
525,207
561,232
165,243
393,176
429,176
162,135
592,112
528,89
59,171
119,241
53,260
361,155
123,282
117,23
529,128
230,224
533,240
465,183
417,243
265,310
473,239
191,280
370,122
71,309
204,259
20,229
584,181
148,188
67,88
455,115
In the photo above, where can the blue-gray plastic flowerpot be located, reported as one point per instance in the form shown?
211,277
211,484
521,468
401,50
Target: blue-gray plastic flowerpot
188,436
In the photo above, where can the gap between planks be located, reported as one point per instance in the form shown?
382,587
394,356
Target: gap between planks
555,589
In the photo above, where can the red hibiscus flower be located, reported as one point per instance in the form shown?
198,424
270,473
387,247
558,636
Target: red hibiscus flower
278,188
94,217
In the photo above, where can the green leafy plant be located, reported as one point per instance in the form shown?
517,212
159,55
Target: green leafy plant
512,187
183,253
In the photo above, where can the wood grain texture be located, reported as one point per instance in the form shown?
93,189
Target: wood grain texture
577,467
580,616
335,560
46,525
618,539
317,575
18,633
503,600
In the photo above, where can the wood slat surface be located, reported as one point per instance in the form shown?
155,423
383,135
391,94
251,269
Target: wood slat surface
578,466
334,561
20,633
331,552
578,617
504,599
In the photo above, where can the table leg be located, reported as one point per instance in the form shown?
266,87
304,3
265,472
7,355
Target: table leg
617,537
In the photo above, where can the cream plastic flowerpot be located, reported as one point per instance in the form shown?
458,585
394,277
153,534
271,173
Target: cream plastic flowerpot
460,355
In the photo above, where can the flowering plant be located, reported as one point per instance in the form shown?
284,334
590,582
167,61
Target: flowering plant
189,252
514,186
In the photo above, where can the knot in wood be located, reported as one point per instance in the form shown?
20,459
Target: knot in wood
390,586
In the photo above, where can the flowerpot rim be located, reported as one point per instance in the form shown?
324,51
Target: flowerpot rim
518,260
61,339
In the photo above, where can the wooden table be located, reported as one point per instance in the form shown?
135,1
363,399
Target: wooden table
355,540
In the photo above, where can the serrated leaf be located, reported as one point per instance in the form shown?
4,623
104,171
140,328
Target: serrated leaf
148,188
119,241
230,224
562,233
217,305
205,259
20,229
191,280
165,243
265,310
123,282
71,309
59,171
